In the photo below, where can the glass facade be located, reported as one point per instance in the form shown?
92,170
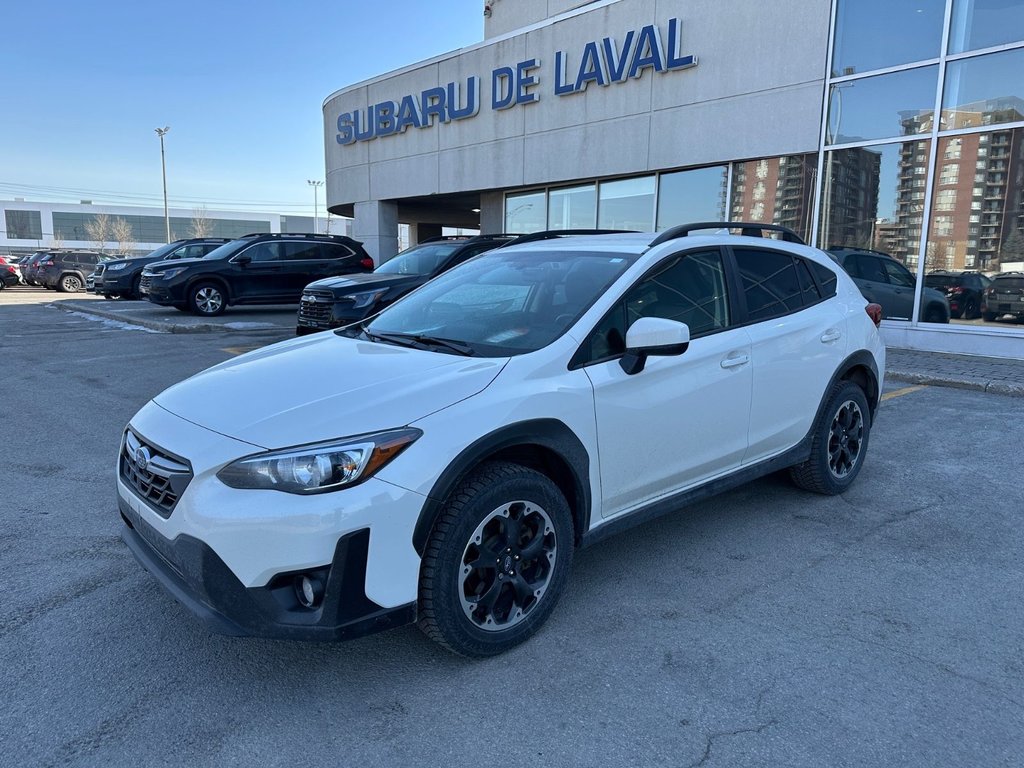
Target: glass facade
921,183
23,225
923,212
151,229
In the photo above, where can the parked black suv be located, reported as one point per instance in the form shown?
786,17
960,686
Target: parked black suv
963,290
1004,296
262,268
66,270
339,301
30,267
120,277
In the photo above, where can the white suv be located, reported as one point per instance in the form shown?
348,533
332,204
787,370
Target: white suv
442,461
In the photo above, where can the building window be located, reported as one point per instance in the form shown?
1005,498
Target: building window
23,225
985,90
525,212
688,196
985,23
945,200
950,173
872,34
572,207
884,106
786,194
953,150
626,204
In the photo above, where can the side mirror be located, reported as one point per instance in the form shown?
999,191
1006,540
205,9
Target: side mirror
653,336
242,259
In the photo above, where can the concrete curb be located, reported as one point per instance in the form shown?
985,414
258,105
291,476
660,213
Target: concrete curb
159,325
994,386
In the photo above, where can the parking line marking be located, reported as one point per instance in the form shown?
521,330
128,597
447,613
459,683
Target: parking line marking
240,350
901,392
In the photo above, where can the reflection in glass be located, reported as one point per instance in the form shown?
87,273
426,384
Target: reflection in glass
572,207
977,223
897,104
689,196
872,34
776,190
985,90
985,23
873,198
525,212
627,204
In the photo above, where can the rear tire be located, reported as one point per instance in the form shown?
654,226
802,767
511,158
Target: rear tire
971,310
69,284
496,562
207,299
839,443
989,317
934,314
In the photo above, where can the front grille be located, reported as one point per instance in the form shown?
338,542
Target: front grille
315,307
157,476
144,282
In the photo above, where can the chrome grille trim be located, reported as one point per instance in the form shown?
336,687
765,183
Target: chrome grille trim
158,477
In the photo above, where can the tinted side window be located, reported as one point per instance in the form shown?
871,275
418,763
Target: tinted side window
301,251
770,283
808,290
264,252
826,277
898,274
868,268
690,289
335,251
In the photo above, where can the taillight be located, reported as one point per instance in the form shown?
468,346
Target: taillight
957,289
367,262
46,263
875,313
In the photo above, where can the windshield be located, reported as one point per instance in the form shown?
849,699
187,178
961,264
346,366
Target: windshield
163,250
941,281
227,250
418,260
504,302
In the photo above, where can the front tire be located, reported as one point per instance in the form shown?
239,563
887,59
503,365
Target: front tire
207,299
989,317
496,562
839,443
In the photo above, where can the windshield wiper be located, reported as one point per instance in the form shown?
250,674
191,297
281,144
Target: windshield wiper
422,341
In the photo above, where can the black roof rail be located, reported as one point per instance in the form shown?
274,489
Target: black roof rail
859,250
747,229
297,234
444,238
551,234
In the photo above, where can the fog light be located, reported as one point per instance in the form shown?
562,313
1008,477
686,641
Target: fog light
309,591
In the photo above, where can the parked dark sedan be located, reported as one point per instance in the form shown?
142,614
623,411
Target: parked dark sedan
338,301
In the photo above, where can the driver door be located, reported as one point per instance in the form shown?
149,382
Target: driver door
684,418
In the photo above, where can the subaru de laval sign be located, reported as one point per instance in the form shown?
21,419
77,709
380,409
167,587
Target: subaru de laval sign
602,62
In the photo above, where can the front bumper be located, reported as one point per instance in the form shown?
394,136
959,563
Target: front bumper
231,555
198,579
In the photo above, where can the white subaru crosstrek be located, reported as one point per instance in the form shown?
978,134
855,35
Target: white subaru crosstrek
441,462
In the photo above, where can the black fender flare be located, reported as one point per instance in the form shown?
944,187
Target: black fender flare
859,359
538,443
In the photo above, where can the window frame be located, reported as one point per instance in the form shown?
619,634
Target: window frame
729,274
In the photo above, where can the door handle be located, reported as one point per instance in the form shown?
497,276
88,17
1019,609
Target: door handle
832,334
735,361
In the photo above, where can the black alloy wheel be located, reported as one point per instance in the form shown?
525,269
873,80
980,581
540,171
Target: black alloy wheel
497,560
839,442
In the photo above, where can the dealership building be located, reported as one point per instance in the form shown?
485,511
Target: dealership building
864,124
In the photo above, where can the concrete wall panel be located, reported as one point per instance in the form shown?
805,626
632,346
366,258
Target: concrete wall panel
477,166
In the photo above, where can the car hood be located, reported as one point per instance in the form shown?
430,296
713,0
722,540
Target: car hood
357,283
325,386
160,266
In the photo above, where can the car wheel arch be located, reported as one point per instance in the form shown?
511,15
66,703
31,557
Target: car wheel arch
216,280
861,369
546,445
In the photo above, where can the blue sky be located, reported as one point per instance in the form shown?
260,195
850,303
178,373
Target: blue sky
240,84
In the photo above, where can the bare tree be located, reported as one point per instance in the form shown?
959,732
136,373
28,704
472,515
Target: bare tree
121,231
98,231
58,240
200,226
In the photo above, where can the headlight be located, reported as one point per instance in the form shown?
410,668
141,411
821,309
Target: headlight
117,267
168,274
366,298
319,468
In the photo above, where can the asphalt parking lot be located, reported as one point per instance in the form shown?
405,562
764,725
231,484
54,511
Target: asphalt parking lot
766,627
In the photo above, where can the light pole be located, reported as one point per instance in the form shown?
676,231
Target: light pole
315,185
161,132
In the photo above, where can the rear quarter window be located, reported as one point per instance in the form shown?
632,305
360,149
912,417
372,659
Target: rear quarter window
826,278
